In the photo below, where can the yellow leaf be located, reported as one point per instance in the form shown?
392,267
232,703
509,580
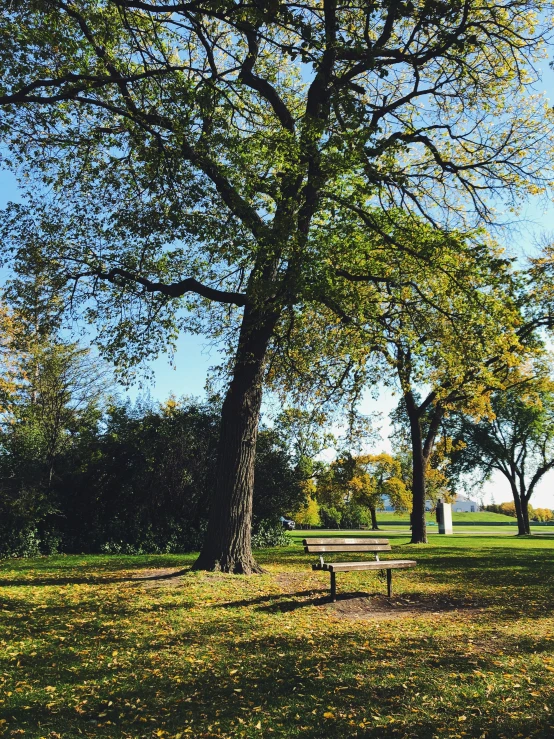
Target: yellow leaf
259,725
328,714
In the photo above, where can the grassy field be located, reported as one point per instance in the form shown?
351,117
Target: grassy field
143,647
482,522
459,519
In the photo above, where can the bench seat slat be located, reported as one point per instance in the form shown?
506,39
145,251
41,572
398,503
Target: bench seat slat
348,548
391,564
339,541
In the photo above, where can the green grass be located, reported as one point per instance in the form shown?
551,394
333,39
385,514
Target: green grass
480,518
89,650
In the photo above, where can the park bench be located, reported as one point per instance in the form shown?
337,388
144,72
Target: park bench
334,544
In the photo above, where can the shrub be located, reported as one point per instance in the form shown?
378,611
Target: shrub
269,534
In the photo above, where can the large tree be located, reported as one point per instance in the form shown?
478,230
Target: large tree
206,149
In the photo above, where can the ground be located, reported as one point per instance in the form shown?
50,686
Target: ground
143,647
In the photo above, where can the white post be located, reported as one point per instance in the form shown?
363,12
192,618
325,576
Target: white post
444,516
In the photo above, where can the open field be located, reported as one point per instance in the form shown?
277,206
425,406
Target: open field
459,519
142,647
402,531
483,522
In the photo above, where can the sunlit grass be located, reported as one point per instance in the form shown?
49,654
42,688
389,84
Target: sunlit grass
87,649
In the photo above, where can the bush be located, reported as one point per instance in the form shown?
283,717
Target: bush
21,542
137,483
269,534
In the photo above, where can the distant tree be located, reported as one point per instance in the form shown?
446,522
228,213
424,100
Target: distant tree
543,515
518,442
364,481
278,481
305,434
308,515
441,476
59,397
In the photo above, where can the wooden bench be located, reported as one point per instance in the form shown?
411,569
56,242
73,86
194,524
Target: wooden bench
335,544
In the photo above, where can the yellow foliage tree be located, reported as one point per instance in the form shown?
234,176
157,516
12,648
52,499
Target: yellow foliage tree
309,514
365,480
543,515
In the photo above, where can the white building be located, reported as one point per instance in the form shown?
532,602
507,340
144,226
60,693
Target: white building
461,504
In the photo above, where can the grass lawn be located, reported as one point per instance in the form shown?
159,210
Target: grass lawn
115,647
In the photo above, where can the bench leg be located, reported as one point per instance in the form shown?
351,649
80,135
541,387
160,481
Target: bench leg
389,583
333,587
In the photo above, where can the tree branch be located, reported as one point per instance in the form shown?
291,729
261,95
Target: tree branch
173,290
266,90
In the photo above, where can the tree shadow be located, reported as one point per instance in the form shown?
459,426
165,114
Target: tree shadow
90,580
286,679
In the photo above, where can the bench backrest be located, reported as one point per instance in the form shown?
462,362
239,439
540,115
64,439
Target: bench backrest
334,544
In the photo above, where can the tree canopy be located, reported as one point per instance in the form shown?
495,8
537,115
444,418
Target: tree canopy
206,151
518,441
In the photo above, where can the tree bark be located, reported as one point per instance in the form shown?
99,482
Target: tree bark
525,515
417,518
227,546
374,525
521,515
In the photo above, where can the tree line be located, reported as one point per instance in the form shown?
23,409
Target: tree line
82,471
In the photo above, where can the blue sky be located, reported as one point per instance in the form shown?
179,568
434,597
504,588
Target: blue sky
193,357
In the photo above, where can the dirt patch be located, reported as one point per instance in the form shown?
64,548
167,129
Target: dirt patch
290,581
405,606
167,577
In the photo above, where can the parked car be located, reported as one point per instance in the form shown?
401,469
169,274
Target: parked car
286,523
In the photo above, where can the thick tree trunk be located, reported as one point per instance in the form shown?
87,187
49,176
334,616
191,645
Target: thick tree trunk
419,526
417,518
227,546
522,513
374,525
522,526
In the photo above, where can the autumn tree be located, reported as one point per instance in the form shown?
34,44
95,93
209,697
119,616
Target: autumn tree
308,515
199,155
383,483
542,515
364,481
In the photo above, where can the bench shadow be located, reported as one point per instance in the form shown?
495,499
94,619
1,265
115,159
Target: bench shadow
269,599
288,601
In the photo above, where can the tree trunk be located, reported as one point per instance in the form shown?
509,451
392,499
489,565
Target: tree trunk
374,526
417,518
523,525
522,519
525,515
227,546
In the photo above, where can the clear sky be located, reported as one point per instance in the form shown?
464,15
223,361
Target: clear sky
194,357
